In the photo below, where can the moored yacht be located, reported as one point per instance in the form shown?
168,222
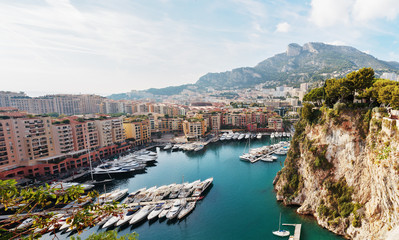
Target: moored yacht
186,209
141,214
177,206
259,136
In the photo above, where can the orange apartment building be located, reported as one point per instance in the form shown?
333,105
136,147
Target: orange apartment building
33,146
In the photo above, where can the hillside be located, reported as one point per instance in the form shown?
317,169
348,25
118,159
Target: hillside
298,64
343,170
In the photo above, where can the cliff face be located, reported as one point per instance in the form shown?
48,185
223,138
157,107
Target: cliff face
344,170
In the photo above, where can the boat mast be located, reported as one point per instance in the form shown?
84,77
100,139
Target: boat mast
91,170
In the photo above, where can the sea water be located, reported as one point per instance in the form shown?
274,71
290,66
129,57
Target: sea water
241,203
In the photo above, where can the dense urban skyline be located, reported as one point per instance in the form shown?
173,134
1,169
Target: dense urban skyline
80,47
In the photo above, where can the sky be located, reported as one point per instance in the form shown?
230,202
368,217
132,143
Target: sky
105,47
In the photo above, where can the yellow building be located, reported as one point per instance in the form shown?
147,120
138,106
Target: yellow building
137,131
194,128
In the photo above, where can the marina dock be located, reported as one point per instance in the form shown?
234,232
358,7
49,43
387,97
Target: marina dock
188,199
297,231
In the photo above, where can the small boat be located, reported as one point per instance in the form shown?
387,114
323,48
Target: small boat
266,158
175,191
199,148
141,214
177,206
235,136
281,233
26,223
272,135
188,189
111,222
165,209
201,187
241,136
248,135
175,147
284,134
186,209
115,195
127,215
157,210
259,136
167,147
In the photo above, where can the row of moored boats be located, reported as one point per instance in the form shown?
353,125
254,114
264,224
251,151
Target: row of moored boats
266,153
174,201
131,163
184,147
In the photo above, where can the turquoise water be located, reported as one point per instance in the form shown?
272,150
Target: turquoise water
240,205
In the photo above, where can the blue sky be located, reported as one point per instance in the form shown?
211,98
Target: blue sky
103,47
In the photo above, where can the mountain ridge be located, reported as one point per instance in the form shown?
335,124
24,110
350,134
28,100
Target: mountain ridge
311,62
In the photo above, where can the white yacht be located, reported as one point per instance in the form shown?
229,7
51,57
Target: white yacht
177,206
201,187
167,147
266,158
242,135
186,210
157,210
279,232
198,148
127,216
229,136
26,223
235,136
259,136
141,214
175,147
165,209
188,189
115,195
111,222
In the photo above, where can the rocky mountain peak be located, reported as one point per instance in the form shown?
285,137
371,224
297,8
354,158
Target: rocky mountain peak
293,49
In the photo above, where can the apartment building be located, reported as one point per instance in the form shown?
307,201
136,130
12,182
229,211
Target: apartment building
194,128
23,141
275,123
85,134
137,131
63,137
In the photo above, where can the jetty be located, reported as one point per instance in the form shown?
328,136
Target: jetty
188,199
297,231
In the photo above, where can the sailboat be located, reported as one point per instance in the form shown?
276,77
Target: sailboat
281,233
94,181
247,156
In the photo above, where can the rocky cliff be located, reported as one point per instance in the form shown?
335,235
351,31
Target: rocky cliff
343,168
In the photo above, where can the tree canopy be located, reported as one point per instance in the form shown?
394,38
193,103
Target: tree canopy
44,204
356,85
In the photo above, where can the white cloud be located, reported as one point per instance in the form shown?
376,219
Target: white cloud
325,13
330,12
364,10
283,27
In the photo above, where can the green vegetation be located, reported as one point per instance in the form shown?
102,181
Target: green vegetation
310,113
339,203
315,95
293,180
359,85
40,203
109,235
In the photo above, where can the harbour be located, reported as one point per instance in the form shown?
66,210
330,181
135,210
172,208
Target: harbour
241,204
